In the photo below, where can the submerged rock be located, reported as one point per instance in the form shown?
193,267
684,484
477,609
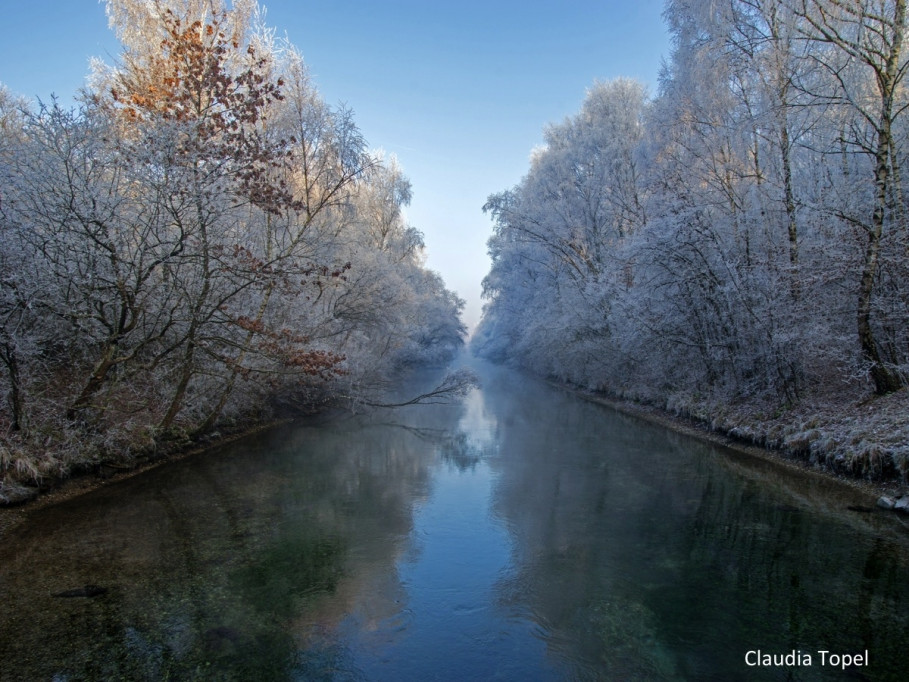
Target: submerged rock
898,503
902,505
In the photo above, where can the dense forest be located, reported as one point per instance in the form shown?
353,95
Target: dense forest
201,242
735,247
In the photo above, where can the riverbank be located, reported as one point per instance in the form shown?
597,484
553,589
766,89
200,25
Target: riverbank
863,445
18,497
55,491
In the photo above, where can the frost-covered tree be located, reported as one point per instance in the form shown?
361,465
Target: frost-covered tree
859,46
203,240
741,231
555,250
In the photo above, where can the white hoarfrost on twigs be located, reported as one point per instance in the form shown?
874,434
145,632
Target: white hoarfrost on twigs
735,246
202,244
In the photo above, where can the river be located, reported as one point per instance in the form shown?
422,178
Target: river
520,534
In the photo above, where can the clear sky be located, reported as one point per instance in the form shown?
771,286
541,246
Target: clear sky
459,91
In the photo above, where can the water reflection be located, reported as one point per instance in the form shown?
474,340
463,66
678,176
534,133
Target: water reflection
645,555
223,565
521,534
475,437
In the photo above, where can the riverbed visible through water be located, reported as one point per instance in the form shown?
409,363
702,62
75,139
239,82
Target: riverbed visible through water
519,534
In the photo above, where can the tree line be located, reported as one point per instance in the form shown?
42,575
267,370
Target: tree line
741,236
202,241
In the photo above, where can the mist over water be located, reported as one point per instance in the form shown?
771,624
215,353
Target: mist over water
520,534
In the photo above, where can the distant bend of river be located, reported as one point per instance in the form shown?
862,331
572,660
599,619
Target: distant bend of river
521,534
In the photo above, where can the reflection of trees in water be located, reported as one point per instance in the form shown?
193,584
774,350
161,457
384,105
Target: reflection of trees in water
455,447
642,557
224,565
573,515
473,439
638,554
797,580
459,451
476,436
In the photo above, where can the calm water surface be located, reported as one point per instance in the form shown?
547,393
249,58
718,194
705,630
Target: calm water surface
522,534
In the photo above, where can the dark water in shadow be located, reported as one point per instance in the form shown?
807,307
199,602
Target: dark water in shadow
520,535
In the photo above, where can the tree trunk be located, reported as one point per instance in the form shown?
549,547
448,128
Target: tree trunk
15,393
95,381
885,379
789,198
186,374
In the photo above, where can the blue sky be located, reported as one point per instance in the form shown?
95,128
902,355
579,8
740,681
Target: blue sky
458,91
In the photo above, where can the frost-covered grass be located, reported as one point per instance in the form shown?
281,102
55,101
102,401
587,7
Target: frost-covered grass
866,438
